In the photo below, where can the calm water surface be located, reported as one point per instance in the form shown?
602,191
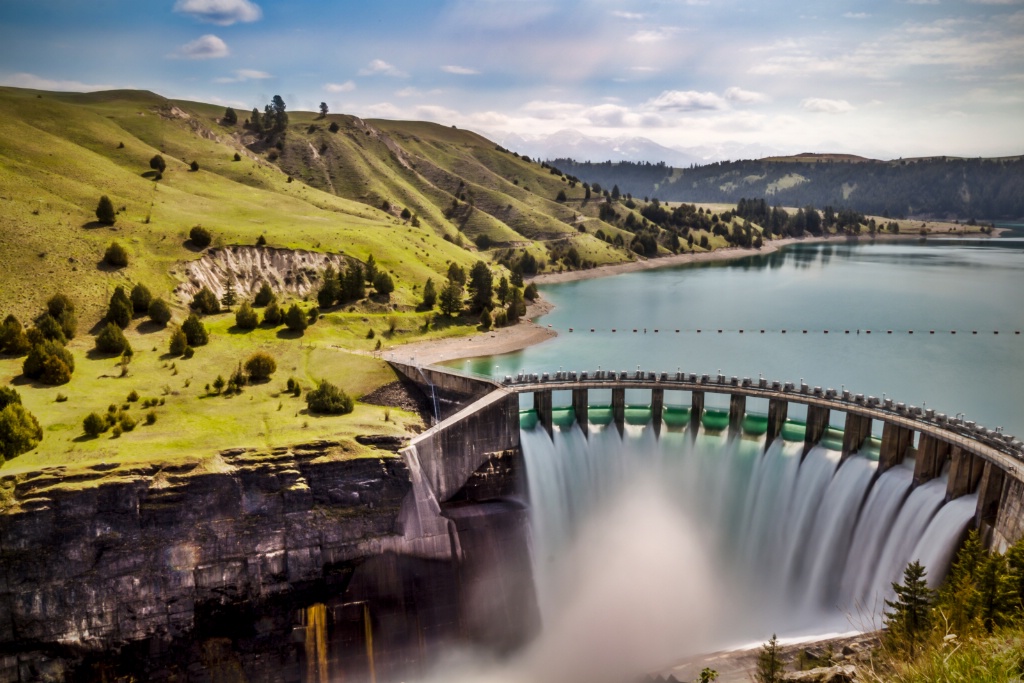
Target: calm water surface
940,285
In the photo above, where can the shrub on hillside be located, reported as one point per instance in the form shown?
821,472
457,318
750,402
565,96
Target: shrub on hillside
94,424
50,329
246,317
272,315
111,340
238,157
13,339
195,331
260,366
120,309
157,163
8,396
105,211
329,400
194,166
383,283
140,298
62,309
200,236
116,255
205,301
178,343
264,296
159,311
19,431
295,319
49,362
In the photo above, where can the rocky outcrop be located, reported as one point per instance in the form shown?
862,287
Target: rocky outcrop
845,673
94,563
291,271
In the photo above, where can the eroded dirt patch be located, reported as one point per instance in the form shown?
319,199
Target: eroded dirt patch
288,271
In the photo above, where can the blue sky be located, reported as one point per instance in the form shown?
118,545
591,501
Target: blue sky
883,78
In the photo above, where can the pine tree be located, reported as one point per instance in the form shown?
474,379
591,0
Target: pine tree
908,623
998,591
481,285
230,298
959,599
429,295
330,290
451,298
370,269
120,310
769,663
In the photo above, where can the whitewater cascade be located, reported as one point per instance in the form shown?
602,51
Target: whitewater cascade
799,546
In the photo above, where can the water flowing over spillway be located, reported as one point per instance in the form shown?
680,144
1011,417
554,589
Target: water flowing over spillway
771,541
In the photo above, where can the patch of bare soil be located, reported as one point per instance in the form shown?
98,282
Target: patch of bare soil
287,271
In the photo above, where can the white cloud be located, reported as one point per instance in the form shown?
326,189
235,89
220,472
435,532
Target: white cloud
824,106
856,15
31,81
220,12
995,2
923,2
460,70
378,67
610,115
381,110
629,16
242,75
644,69
545,109
347,86
653,35
416,92
742,96
203,47
686,100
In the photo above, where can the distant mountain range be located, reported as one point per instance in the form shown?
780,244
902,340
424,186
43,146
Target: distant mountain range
939,187
572,144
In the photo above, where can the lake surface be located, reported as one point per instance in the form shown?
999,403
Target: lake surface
703,318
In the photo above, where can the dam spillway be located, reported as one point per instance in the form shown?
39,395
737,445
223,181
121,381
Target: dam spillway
806,501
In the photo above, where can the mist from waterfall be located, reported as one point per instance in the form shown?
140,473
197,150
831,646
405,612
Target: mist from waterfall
647,550
763,541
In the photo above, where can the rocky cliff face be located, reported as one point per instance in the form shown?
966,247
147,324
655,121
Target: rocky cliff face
93,562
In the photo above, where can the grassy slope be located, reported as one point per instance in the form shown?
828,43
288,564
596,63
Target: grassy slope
59,153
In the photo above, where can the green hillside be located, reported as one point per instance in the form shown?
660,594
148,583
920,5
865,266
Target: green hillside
417,197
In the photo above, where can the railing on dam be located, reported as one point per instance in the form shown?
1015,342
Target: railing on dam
974,458
982,441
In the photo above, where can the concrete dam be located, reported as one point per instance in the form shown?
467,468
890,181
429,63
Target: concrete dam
540,519
800,505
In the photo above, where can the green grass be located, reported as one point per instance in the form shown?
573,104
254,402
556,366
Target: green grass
193,424
996,659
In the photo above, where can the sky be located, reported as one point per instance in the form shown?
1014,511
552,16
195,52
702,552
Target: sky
880,78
